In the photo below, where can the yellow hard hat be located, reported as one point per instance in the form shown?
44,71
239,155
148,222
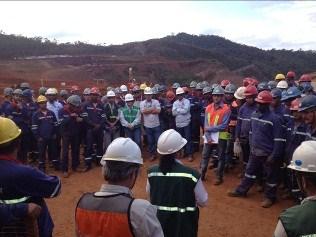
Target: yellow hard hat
279,76
41,98
143,86
8,130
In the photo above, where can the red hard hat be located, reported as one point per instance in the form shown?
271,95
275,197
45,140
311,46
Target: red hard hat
170,95
305,78
246,81
250,90
254,82
290,74
95,90
224,83
74,88
264,97
295,105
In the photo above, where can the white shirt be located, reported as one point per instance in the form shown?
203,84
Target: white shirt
54,107
150,120
181,110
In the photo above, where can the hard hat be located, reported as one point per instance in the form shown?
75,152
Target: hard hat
276,93
303,158
156,85
224,83
239,93
124,150
218,91
282,85
63,93
179,91
123,88
207,90
205,83
94,91
193,84
295,105
110,94
290,74
117,90
264,97
74,100
279,76
305,78
254,82
175,85
8,91
250,90
27,93
25,85
291,93
214,86
162,88
104,99
86,91
263,86
246,81
199,86
8,130
272,84
17,92
308,102
148,91
154,90
170,95
143,86
169,142
230,89
306,87
42,90
136,88
74,88
51,91
41,99
129,97
109,88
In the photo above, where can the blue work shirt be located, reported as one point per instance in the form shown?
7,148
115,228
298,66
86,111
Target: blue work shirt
4,106
18,114
44,125
94,114
243,120
68,122
12,212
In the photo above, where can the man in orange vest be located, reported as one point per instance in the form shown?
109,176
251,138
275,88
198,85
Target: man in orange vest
113,211
217,117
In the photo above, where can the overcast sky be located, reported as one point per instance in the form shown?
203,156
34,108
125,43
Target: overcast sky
290,25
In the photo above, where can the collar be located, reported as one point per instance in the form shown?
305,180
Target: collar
109,189
310,198
9,158
220,105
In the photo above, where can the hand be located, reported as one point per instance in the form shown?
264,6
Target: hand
78,119
130,126
74,115
33,210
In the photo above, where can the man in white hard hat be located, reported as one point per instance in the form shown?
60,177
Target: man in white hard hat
300,220
113,211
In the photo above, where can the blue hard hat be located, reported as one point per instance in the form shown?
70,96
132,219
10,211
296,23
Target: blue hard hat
27,93
291,93
276,93
308,102
263,86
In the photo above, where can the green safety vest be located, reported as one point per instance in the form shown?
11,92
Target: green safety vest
300,221
130,114
173,195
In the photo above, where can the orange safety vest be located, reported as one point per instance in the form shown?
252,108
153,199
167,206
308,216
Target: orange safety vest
104,215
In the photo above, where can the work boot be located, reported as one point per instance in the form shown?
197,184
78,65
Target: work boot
190,158
218,181
266,203
235,193
260,188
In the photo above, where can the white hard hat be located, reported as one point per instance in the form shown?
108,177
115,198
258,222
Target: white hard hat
124,150
179,91
110,94
129,97
169,142
239,93
123,88
304,157
51,91
148,91
282,85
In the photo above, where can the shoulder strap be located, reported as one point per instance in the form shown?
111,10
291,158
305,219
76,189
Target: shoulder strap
129,217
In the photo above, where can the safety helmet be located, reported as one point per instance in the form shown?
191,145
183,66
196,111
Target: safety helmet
8,130
264,97
124,150
123,88
63,93
199,86
290,74
51,91
250,90
179,91
207,90
25,85
104,99
143,86
295,105
247,81
282,85
205,83
230,89
214,85
41,99
303,158
154,90
308,102
224,83
305,78
170,95
218,91
109,88
42,90
193,84
129,97
162,88
291,93
86,91
136,88
272,84
74,88
175,85
148,91
156,85
74,100
306,87
27,93
276,93
169,142
17,92
94,91
279,76
263,86
239,93
8,91
110,94
117,90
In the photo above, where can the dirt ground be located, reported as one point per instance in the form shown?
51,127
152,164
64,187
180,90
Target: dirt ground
223,216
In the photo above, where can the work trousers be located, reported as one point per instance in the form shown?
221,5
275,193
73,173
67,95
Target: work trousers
74,143
109,136
195,128
24,147
134,134
186,133
244,143
152,138
47,145
94,137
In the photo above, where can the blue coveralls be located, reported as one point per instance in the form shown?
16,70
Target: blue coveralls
12,212
4,107
30,185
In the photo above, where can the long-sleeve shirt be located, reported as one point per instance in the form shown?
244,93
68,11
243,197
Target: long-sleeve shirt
181,111
125,123
150,120
93,114
68,122
44,124
243,121
18,114
54,107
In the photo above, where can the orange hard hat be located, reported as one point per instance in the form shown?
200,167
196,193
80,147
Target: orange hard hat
295,104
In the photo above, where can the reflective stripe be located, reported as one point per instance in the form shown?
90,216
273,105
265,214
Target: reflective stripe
176,209
279,140
250,176
14,201
271,185
185,175
302,133
88,158
57,189
262,120
244,119
295,190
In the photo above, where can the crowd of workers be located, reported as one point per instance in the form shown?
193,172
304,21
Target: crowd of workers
260,124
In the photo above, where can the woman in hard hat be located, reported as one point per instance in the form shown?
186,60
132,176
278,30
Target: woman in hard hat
175,189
